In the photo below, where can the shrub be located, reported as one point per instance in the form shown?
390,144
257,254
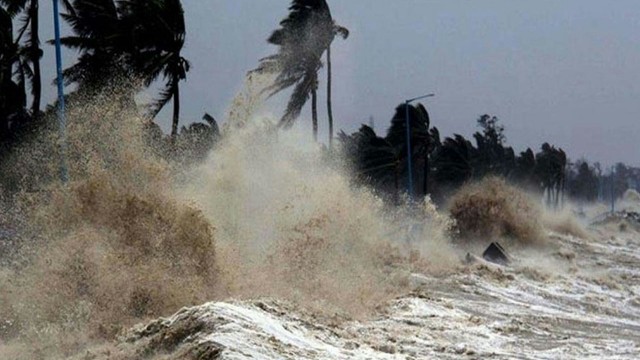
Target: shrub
493,209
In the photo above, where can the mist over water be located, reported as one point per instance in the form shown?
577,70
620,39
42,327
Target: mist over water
133,237
288,223
270,214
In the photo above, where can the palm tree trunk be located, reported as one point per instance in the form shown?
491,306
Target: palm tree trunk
314,113
176,108
556,195
425,177
5,79
35,54
329,109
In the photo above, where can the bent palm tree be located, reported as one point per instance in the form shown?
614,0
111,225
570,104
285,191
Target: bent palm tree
31,52
7,59
129,39
422,139
374,160
159,32
455,161
304,36
101,41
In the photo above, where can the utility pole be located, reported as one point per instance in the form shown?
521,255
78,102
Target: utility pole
62,121
408,126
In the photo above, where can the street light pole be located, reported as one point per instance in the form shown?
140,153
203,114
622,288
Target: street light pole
62,122
408,126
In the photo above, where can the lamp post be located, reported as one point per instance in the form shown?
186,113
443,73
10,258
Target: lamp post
62,122
408,126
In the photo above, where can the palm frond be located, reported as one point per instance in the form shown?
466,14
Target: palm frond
26,21
14,7
341,30
298,98
303,37
165,96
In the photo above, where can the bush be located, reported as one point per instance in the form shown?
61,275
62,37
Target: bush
493,209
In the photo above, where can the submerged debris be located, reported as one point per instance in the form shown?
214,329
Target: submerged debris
495,253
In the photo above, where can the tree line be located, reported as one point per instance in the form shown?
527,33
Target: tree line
137,41
142,41
440,166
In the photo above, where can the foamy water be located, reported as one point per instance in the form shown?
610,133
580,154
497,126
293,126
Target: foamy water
269,215
132,237
581,307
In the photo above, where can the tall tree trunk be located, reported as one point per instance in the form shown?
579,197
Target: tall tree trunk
396,184
176,107
425,177
314,113
557,196
329,109
35,54
6,72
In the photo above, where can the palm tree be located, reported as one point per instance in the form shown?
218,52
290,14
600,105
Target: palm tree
129,39
422,138
7,59
101,40
374,160
32,52
524,168
551,170
304,36
158,34
13,115
454,161
7,46
344,32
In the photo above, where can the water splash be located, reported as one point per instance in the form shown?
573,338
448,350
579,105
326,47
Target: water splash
134,237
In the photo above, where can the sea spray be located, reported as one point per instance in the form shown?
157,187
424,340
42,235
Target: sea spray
133,236
493,209
291,225
109,248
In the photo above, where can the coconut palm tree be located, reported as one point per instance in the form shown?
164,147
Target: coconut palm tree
454,161
551,164
158,34
102,41
302,39
7,59
13,115
422,138
8,49
374,160
31,52
129,39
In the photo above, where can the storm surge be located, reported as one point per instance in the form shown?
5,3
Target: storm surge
133,236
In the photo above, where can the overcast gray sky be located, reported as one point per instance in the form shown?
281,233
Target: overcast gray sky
567,72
